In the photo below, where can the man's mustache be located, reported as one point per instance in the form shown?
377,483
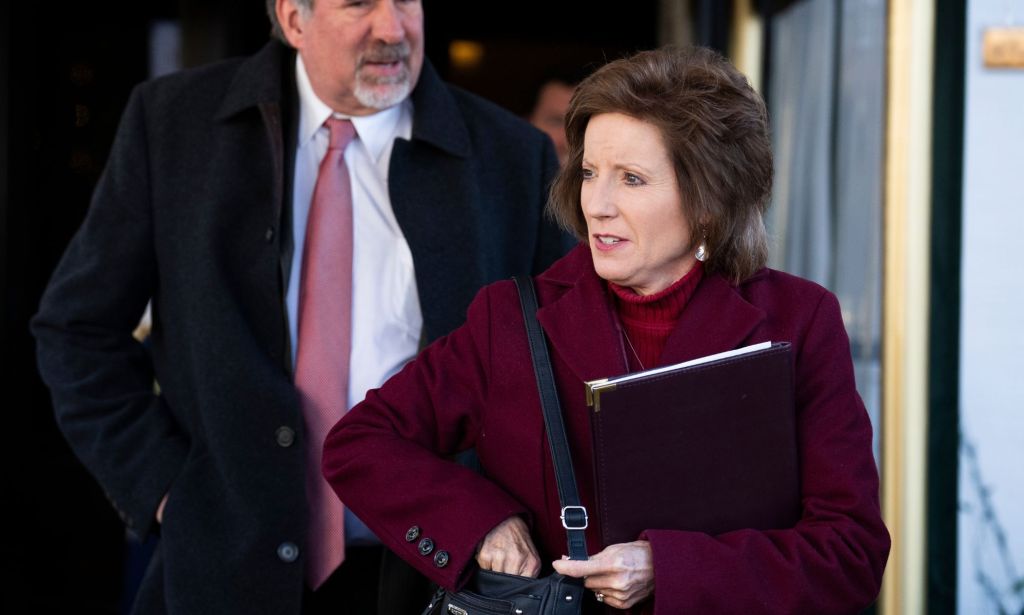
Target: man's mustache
398,52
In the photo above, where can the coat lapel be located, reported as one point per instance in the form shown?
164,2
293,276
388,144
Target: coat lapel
584,332
431,179
579,324
265,83
716,319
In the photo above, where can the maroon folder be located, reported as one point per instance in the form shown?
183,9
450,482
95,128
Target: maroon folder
707,448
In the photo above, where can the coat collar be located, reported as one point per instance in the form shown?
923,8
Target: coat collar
260,81
579,322
583,330
436,117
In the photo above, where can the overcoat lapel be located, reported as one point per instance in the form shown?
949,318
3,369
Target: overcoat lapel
266,82
580,324
430,178
717,318
583,330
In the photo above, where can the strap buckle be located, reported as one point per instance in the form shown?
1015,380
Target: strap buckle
574,517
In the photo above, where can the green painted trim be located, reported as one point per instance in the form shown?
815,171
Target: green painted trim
944,327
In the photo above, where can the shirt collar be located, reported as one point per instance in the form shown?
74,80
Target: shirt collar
376,131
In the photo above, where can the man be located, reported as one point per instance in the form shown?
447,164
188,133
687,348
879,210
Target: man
250,200
548,114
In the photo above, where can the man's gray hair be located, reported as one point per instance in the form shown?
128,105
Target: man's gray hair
275,27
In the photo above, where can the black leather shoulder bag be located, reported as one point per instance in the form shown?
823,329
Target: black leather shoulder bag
493,593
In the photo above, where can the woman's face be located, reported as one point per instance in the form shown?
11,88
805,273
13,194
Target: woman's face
638,234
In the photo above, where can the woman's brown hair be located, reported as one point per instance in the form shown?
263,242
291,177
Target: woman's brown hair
715,127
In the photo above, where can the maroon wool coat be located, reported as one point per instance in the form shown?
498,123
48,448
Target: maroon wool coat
388,458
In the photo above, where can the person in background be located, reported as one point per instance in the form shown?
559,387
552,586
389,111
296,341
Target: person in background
668,177
304,220
548,114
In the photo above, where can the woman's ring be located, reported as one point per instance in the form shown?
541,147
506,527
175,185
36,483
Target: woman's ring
600,597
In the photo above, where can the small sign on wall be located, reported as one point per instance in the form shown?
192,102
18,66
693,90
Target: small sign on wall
1003,47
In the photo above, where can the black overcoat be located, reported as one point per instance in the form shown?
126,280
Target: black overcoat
193,211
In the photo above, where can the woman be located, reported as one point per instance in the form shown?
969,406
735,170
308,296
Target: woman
669,166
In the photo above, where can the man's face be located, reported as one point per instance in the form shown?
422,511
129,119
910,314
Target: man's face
549,114
361,55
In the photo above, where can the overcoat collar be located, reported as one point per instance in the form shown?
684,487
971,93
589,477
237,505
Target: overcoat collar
436,119
423,186
259,80
583,330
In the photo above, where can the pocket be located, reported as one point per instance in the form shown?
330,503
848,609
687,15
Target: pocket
496,593
554,594
511,586
469,603
195,464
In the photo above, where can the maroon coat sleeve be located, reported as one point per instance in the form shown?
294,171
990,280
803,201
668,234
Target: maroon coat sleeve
422,416
832,561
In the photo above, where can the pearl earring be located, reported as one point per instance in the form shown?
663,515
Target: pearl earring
702,248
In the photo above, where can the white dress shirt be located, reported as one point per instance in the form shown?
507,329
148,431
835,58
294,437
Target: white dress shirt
386,316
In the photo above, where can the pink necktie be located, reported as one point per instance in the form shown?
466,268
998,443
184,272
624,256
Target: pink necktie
325,331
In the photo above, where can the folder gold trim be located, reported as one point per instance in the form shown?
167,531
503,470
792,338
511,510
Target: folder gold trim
594,388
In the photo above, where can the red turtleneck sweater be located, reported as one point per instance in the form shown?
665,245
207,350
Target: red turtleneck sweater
647,320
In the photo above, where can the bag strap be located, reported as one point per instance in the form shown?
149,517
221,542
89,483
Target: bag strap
574,515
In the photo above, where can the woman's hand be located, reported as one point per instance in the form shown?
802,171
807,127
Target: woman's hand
621,575
508,548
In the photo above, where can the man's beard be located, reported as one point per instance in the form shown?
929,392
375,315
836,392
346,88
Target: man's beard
384,91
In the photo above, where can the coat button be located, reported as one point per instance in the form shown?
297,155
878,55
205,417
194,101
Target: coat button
426,546
441,559
268,236
412,533
288,552
285,436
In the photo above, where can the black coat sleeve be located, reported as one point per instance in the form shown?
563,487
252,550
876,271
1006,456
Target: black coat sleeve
101,379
